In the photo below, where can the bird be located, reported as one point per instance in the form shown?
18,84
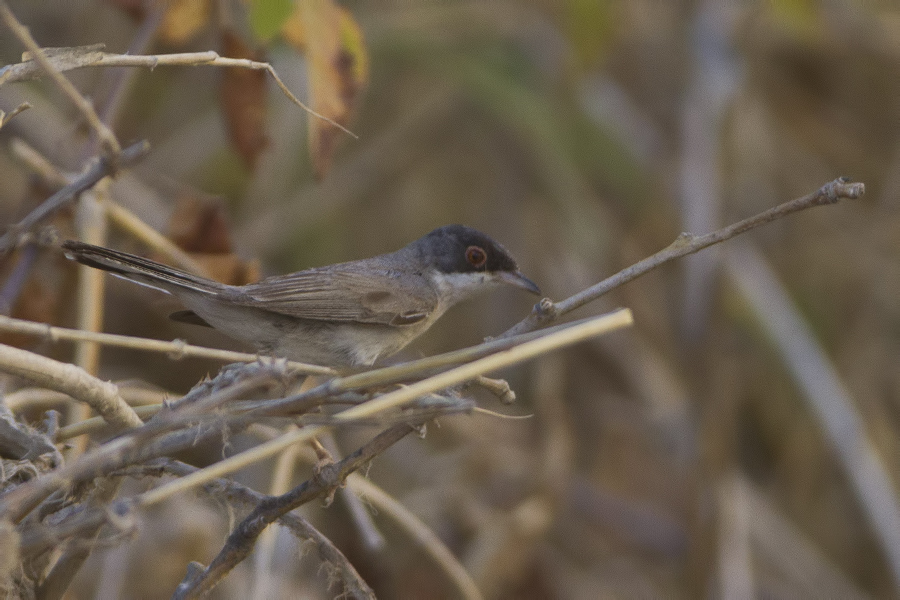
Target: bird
349,314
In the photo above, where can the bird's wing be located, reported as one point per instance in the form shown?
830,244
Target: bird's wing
336,294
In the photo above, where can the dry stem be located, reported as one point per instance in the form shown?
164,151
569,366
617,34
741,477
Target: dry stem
101,168
102,396
107,138
176,349
65,59
686,243
419,531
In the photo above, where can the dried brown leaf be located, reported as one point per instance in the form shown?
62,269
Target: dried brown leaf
243,98
200,225
337,67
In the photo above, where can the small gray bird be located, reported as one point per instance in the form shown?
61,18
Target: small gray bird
348,314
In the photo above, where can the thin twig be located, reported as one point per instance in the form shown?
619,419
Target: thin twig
234,493
103,167
89,56
95,424
354,584
282,475
40,399
18,277
108,139
372,539
430,365
525,351
176,350
38,163
91,224
379,405
57,581
118,214
6,116
686,243
198,408
377,378
117,82
419,531
243,537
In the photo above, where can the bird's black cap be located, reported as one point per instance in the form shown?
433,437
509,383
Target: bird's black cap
461,249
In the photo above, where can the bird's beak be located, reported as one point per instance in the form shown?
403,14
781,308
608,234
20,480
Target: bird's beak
517,279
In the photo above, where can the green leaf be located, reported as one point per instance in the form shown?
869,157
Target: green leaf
267,17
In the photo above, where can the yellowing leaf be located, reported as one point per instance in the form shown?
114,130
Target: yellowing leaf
183,19
337,68
268,16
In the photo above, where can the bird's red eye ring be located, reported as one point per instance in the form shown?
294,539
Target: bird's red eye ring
476,256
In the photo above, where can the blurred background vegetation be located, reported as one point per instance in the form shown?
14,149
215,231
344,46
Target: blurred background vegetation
681,458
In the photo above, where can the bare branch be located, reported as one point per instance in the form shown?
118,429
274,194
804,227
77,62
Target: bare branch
102,396
686,243
82,523
65,59
118,214
198,411
381,404
176,349
107,138
527,350
354,584
6,117
420,532
243,537
101,168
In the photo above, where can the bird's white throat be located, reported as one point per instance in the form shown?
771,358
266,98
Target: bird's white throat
453,287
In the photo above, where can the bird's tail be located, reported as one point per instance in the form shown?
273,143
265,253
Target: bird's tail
137,269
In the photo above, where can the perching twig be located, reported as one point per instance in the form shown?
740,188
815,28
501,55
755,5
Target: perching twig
378,406
527,350
547,311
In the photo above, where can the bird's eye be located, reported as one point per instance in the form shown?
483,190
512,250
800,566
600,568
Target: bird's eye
476,256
